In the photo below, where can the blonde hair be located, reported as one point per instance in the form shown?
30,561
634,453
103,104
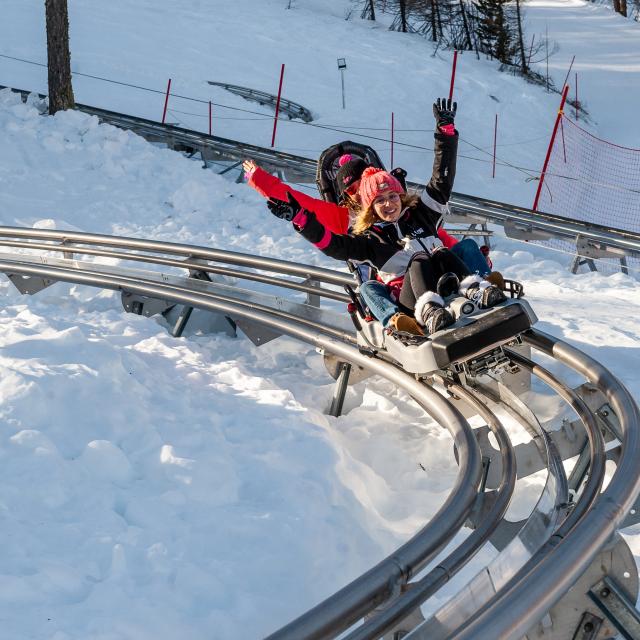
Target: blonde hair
350,202
366,218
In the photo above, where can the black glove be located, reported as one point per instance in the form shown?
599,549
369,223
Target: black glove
401,176
285,210
444,111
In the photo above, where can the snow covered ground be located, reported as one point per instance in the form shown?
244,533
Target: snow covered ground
152,487
244,42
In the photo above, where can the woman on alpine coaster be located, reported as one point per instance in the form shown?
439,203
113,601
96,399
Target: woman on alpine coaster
337,217
396,233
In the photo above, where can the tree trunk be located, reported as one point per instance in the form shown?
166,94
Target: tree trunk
623,7
616,6
434,26
523,63
403,16
58,56
467,33
372,11
439,19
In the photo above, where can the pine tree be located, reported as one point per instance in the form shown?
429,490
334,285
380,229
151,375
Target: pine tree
58,56
495,30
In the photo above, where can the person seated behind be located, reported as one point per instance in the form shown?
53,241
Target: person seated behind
332,216
397,234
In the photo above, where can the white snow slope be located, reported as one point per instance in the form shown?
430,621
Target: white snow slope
153,487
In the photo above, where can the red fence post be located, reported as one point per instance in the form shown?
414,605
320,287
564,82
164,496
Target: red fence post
275,120
495,139
553,137
392,129
209,117
453,73
166,101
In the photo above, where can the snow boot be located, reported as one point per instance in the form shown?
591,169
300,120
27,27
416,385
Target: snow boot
495,277
483,293
447,284
431,314
403,323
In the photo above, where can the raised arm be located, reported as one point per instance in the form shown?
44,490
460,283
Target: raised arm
338,246
334,217
439,188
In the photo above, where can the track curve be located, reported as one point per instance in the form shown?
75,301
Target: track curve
572,538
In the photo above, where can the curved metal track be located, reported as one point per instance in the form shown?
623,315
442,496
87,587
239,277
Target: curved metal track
555,545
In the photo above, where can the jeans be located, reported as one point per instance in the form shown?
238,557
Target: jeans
469,252
376,295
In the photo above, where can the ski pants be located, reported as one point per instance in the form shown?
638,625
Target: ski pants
423,274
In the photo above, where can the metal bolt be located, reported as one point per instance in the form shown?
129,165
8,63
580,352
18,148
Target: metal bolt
605,593
588,627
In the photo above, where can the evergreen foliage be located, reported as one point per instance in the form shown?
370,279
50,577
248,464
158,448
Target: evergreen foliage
495,29
490,27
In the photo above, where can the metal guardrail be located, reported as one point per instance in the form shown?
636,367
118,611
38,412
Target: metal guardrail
190,141
290,108
378,584
386,580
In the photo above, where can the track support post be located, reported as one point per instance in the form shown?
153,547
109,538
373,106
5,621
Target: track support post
184,316
340,390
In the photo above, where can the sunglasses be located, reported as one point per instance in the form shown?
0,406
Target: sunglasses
391,198
352,189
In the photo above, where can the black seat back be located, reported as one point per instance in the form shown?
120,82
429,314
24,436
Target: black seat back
328,166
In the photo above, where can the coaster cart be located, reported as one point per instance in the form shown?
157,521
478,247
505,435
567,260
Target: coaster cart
473,345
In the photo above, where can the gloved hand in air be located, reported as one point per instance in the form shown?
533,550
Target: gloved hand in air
285,210
444,111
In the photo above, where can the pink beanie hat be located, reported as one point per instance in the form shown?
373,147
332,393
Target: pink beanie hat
373,183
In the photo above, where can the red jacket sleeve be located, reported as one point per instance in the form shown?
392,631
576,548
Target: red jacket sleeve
447,240
332,216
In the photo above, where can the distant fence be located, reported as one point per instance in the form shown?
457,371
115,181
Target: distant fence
591,180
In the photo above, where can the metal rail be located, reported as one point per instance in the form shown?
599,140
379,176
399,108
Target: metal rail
382,581
69,239
418,592
388,580
534,590
290,108
445,622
